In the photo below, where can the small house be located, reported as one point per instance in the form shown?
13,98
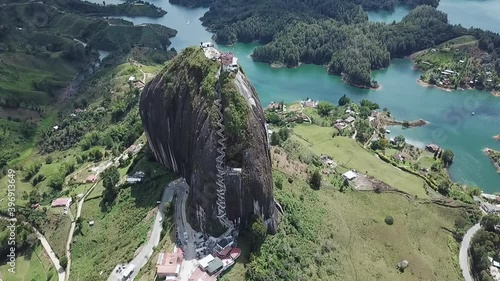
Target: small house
91,179
349,120
339,126
349,175
61,202
432,147
206,44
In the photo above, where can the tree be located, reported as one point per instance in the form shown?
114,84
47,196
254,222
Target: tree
56,182
380,144
344,100
273,118
444,188
110,178
371,105
258,232
389,220
324,108
275,139
315,180
490,221
284,134
63,262
278,183
447,157
399,139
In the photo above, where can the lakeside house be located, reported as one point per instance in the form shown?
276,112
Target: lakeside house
490,208
309,103
432,148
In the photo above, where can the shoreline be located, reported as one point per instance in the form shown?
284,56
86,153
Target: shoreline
497,137
489,152
427,85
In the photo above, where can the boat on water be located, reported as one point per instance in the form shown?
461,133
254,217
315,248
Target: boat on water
188,22
473,113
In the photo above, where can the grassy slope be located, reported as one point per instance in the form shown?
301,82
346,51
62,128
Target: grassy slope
36,266
124,227
364,246
348,153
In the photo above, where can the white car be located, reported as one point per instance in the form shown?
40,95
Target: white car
185,235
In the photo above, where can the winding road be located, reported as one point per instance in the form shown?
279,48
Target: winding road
464,252
147,249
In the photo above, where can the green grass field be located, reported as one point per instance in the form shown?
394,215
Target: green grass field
343,236
459,41
33,266
348,153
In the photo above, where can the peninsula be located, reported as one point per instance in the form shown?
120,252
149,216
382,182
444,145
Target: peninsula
494,156
460,63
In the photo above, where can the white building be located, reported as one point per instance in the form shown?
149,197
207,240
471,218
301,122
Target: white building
349,175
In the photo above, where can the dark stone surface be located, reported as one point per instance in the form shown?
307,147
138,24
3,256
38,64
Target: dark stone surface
179,120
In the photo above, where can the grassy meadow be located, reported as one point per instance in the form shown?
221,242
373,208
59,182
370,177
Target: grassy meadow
35,265
346,152
343,236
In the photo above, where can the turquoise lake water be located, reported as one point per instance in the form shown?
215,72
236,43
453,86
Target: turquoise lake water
449,113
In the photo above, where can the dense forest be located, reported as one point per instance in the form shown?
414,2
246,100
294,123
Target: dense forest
335,33
43,45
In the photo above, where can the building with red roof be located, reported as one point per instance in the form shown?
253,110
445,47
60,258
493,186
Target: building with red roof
91,179
61,202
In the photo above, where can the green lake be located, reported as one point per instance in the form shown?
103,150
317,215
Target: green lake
449,113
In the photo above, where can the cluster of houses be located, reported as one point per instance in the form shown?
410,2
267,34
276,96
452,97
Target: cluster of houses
494,269
168,265
491,205
340,124
309,103
228,60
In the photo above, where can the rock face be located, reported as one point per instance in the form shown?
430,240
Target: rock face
180,119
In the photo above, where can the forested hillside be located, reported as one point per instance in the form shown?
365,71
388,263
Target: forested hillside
335,33
43,46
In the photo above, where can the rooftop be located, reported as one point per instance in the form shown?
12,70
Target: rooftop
214,266
61,202
205,261
349,175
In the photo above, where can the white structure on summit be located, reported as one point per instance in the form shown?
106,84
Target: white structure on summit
228,61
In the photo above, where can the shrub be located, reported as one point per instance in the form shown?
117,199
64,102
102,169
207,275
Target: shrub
389,220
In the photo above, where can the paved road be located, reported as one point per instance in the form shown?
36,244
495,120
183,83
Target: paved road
154,238
189,262
464,252
99,169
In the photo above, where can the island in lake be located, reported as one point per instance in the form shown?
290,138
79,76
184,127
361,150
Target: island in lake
494,155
